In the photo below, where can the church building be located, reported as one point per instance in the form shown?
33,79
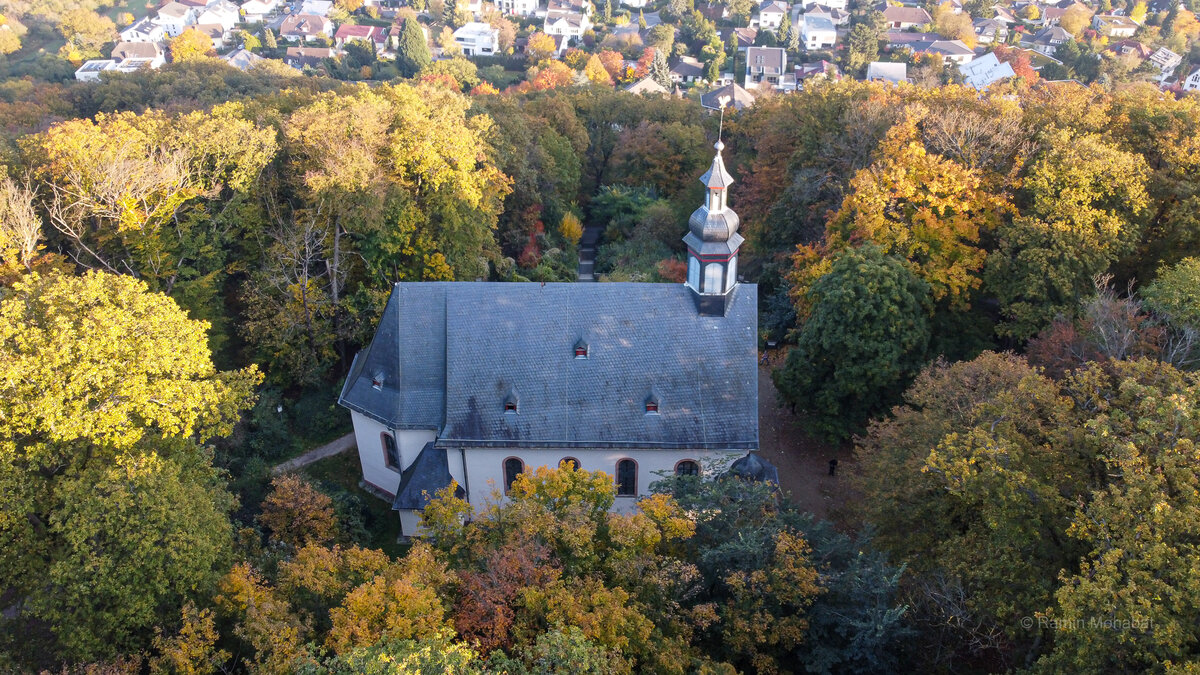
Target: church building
477,382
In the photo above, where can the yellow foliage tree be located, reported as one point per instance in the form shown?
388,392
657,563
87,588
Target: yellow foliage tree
190,45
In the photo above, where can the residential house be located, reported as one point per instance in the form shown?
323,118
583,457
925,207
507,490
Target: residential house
1047,40
988,31
745,35
257,11
477,39
1004,15
956,6
148,51
1052,14
817,33
765,66
90,70
214,32
566,24
1192,82
311,57
838,17
647,85
883,71
842,5
242,59
815,71
224,13
636,4
1114,26
472,384
316,7
376,36
518,7
144,29
174,17
732,95
305,28
687,70
771,13
904,17
1128,47
951,51
198,5
899,38
583,7
984,71
1166,60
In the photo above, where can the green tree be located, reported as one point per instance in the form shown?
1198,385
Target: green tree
269,39
865,338
108,387
660,72
972,484
785,30
642,22
862,47
450,16
412,54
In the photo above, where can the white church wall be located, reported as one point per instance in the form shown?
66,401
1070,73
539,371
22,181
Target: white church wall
485,467
369,435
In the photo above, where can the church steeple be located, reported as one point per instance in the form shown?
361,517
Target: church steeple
712,241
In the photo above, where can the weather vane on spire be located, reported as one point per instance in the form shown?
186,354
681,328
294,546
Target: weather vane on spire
721,103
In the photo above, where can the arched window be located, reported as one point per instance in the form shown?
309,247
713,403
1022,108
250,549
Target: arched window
731,275
569,462
513,467
391,456
693,273
627,478
712,278
687,467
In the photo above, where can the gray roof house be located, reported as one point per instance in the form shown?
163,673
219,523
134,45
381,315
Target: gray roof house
474,382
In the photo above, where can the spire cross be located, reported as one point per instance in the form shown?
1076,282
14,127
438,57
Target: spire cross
722,101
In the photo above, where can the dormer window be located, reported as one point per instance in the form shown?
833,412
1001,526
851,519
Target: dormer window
510,402
581,350
377,381
651,403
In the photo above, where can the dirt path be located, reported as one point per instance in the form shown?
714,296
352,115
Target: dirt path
803,461
316,454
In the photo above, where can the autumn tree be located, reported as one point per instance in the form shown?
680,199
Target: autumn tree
297,514
1078,219
109,388
189,45
540,47
11,32
86,32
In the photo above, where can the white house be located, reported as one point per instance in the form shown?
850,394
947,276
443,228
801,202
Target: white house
90,70
477,39
1192,82
982,72
1166,60
842,5
765,66
838,17
222,13
518,7
687,70
256,11
566,24
951,51
316,7
305,28
215,32
636,4
143,30
771,13
175,17
150,52
1114,26
477,383
817,32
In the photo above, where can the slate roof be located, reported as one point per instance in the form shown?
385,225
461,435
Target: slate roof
428,473
755,468
448,354
738,98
